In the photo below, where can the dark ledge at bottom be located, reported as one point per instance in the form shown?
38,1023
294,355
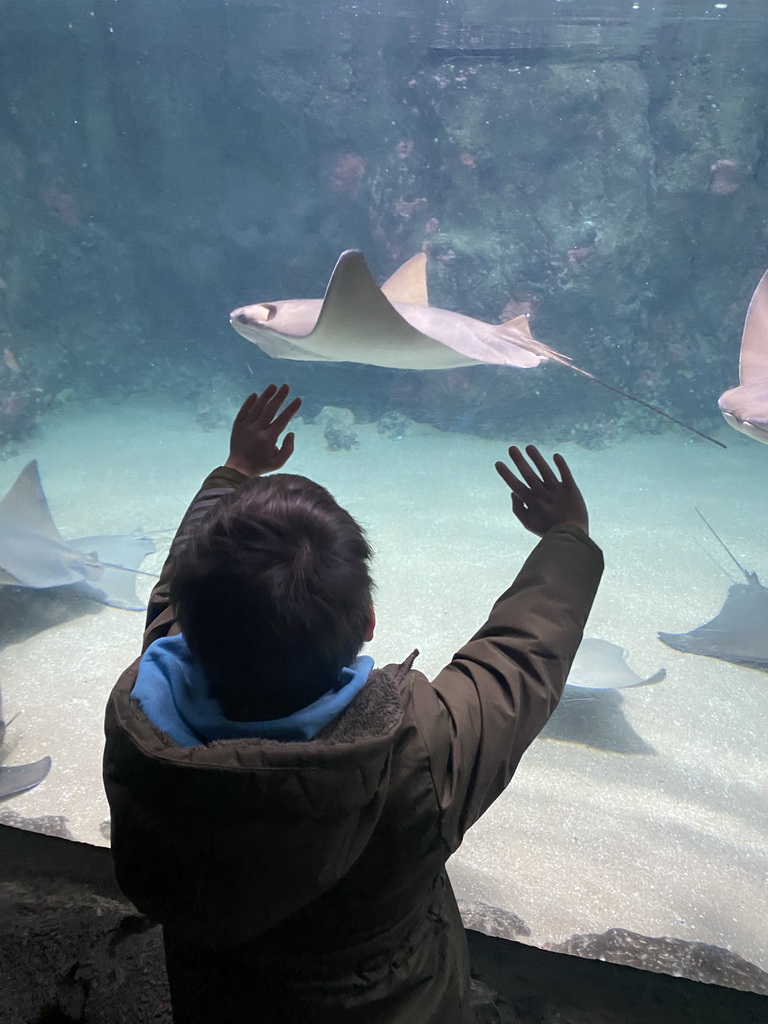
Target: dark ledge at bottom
72,949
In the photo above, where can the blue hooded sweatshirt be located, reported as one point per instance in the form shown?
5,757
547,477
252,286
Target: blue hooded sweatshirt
173,691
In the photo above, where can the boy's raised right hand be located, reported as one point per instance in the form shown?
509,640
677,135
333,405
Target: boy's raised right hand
540,500
253,445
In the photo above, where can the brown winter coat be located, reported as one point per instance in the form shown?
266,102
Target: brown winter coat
305,882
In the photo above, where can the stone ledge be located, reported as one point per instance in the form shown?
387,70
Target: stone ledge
73,950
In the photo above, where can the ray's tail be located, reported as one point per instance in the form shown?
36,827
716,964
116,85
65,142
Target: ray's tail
524,339
751,577
566,361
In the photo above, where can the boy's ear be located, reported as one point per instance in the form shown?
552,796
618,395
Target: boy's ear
369,630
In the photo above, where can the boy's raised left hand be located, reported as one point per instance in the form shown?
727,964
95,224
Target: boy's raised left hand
253,447
539,499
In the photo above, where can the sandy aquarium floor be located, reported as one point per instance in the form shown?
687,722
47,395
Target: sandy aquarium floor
673,841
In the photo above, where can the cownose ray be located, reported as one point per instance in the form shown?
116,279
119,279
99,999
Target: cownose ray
602,665
590,711
394,326
745,407
739,631
19,777
34,554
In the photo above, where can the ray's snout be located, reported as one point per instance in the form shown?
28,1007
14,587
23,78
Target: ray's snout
754,428
745,408
261,313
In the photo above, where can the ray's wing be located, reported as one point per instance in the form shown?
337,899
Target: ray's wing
25,506
602,665
745,407
409,282
753,358
20,777
34,554
517,333
32,551
357,323
738,633
31,559
353,300
507,344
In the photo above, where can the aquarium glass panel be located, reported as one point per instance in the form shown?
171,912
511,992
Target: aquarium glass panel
583,188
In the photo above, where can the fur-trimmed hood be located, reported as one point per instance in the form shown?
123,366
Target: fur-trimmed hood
304,810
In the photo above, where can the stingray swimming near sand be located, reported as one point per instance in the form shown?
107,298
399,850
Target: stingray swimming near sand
739,631
745,408
18,778
393,325
34,554
591,711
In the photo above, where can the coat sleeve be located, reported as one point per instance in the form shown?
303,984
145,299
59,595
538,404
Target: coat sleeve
161,618
485,708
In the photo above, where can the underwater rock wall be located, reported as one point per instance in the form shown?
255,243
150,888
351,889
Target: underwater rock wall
162,164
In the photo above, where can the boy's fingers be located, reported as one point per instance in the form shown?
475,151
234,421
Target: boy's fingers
274,402
266,394
523,468
541,464
518,488
256,410
285,417
268,399
564,469
246,407
518,506
507,475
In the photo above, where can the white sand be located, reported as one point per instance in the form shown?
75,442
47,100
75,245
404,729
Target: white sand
583,840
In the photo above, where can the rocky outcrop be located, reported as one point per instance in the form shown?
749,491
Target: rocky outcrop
166,168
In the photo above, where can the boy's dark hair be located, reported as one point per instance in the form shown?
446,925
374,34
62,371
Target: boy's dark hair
272,591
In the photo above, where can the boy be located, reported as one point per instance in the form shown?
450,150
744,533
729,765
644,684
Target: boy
281,807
